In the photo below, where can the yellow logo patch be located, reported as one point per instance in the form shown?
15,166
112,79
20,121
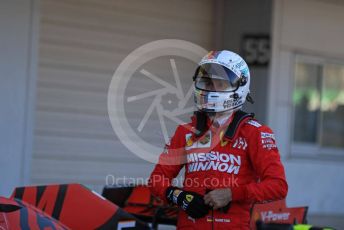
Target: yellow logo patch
189,141
189,197
223,143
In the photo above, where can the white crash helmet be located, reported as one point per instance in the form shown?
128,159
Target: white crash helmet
221,82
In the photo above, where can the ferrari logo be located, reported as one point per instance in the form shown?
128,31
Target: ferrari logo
189,197
189,141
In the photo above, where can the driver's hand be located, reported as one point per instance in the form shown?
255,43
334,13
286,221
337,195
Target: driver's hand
218,198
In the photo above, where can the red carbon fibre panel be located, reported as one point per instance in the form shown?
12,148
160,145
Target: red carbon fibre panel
74,205
17,215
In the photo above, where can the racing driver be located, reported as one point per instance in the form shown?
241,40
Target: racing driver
231,160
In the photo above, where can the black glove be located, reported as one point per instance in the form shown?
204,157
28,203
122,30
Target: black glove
192,203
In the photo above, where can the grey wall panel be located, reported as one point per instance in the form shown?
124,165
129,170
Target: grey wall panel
81,45
249,18
313,29
18,44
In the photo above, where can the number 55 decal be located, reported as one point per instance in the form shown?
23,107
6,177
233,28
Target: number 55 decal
256,49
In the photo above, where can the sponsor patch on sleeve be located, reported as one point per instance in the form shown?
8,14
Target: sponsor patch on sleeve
268,140
265,135
254,123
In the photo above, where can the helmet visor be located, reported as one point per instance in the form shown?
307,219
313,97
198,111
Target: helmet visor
215,77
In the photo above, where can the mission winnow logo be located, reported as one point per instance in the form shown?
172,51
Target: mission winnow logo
222,162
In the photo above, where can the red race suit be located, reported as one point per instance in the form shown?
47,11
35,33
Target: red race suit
249,164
